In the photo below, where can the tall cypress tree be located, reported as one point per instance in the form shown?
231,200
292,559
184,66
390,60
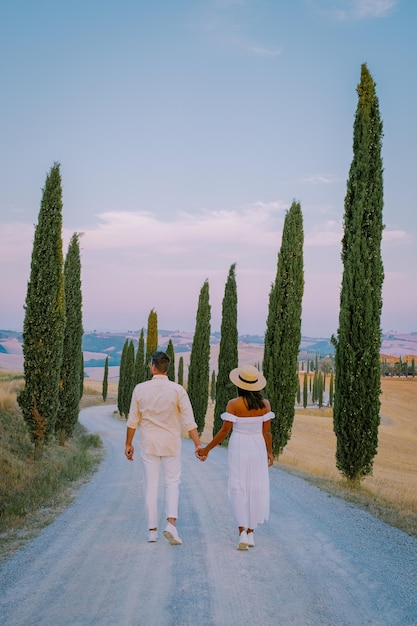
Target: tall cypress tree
213,386
283,333
181,371
129,381
43,330
320,389
199,370
122,378
171,353
105,385
228,351
305,391
357,381
69,388
331,390
151,341
140,368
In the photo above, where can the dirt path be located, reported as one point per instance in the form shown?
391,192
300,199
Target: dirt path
318,561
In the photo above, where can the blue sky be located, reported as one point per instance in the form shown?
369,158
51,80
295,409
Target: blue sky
184,130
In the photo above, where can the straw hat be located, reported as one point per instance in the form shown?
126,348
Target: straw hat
247,377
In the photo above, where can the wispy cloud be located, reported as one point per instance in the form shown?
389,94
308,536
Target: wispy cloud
319,179
265,52
374,8
356,9
229,24
206,230
396,235
328,234
144,258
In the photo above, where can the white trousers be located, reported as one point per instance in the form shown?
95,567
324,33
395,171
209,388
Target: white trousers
171,466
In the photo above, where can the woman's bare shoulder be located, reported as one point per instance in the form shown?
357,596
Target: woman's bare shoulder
233,405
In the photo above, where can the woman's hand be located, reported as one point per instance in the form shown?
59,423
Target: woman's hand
201,453
270,459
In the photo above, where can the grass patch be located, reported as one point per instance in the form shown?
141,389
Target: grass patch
33,492
93,394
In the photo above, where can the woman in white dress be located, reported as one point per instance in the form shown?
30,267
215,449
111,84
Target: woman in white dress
248,418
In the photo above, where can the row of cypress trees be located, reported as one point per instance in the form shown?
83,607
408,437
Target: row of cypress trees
317,388
135,368
52,330
52,333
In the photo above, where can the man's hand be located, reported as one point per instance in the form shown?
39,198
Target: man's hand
129,451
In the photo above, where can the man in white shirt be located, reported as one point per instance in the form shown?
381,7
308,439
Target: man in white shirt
159,407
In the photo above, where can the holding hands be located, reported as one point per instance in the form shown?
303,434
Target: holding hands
201,453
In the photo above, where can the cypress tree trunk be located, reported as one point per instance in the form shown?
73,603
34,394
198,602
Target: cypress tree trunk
69,389
43,330
283,334
228,352
199,370
105,379
171,353
151,341
357,381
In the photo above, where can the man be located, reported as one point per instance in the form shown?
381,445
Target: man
159,407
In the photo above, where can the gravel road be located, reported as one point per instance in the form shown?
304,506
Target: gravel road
318,561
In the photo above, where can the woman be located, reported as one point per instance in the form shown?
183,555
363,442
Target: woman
250,451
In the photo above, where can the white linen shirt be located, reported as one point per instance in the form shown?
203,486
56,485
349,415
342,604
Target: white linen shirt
159,407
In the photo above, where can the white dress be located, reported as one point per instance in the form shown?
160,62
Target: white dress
248,484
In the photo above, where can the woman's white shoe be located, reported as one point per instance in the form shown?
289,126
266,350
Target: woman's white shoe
243,541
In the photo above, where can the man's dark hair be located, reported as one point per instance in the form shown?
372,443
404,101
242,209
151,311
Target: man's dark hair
161,361
252,399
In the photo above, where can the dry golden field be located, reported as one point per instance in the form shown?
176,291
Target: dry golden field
391,492
313,443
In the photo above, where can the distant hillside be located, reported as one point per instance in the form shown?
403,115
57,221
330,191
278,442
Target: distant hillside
11,334
98,345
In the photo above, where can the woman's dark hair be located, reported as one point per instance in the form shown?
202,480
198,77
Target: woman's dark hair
252,399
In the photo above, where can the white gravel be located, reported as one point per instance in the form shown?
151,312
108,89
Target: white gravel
318,561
